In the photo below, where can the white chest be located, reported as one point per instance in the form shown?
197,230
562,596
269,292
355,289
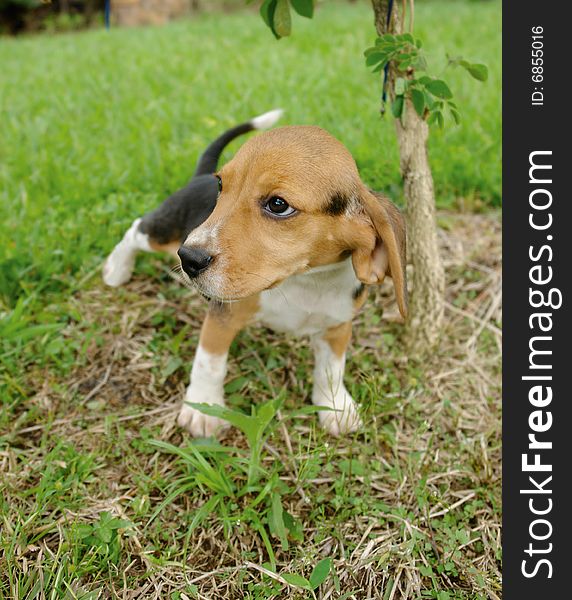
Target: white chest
311,302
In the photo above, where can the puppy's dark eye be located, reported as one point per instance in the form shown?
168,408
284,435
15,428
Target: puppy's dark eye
219,184
279,207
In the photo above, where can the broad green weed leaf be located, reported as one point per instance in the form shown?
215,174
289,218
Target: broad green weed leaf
277,520
297,580
245,423
104,533
294,527
320,572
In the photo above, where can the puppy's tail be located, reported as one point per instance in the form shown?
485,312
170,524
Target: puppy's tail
209,159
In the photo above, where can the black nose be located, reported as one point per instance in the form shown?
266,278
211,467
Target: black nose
193,260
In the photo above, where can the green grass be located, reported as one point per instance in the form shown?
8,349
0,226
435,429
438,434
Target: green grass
100,492
97,127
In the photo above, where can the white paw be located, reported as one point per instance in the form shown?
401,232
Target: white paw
196,422
118,267
343,416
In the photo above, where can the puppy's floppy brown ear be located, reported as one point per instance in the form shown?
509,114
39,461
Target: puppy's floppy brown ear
372,261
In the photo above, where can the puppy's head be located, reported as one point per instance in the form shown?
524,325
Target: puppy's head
292,199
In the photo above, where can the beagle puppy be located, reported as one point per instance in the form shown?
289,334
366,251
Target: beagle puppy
293,240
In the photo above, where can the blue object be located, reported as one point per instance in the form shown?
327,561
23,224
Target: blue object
107,13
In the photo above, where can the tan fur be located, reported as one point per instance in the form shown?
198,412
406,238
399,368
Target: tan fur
340,234
338,338
306,166
387,257
224,322
169,248
360,300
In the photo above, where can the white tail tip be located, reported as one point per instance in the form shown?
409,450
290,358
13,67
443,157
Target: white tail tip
267,119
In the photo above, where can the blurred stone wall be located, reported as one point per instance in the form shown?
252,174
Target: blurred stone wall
129,13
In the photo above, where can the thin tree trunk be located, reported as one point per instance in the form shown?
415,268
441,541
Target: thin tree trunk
428,282
427,297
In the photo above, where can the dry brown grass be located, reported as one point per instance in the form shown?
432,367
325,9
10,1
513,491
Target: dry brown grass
426,468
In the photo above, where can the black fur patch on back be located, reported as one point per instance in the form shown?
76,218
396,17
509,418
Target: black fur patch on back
337,204
182,212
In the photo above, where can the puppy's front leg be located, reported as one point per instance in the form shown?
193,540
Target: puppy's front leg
329,389
209,367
